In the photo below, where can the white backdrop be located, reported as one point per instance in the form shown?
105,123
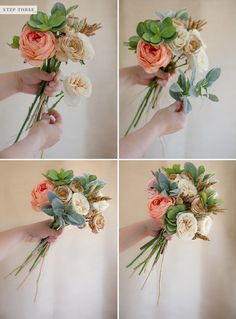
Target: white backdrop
198,278
79,274
85,130
210,132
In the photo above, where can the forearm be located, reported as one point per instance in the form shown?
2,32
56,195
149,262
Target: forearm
8,84
10,239
29,147
127,77
137,143
132,234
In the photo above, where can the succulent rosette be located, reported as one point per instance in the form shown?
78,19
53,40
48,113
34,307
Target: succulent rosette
169,42
46,41
68,200
183,200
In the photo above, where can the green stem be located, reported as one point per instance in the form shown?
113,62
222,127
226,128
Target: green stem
142,106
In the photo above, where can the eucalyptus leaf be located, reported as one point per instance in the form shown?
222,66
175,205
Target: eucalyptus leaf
47,209
212,76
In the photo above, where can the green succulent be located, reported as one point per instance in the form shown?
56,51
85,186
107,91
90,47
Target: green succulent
170,221
153,32
59,178
15,42
175,169
55,22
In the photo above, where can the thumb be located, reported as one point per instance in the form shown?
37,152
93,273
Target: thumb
176,106
44,76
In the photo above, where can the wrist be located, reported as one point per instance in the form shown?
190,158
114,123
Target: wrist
17,82
36,140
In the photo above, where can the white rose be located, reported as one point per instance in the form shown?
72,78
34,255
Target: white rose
89,52
100,206
187,188
186,226
194,43
202,61
204,225
80,203
180,41
76,86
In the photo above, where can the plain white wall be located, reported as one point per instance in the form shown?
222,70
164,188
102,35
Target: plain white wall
211,126
79,274
198,278
87,126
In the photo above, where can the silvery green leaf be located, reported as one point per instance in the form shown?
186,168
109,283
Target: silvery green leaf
75,219
213,98
174,192
160,15
187,105
47,209
163,181
51,196
182,14
193,92
58,207
175,88
212,76
72,8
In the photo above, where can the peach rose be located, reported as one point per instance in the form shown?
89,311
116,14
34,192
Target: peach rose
158,206
39,195
36,47
153,57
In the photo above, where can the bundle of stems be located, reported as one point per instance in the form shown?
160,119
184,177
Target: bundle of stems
40,103
154,248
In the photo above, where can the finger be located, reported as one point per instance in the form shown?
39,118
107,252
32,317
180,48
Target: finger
58,77
57,116
46,117
163,75
162,82
175,106
44,76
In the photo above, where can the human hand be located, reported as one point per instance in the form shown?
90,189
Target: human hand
28,80
143,78
38,231
170,119
152,227
48,131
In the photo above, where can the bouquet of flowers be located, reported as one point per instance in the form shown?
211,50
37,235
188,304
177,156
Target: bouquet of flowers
69,200
173,41
48,40
182,201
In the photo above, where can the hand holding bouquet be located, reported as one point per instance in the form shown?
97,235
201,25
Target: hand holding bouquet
168,43
69,200
183,202
46,42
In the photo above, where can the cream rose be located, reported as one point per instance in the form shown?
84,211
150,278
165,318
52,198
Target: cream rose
100,206
187,187
202,61
204,225
70,47
75,87
97,222
194,43
64,193
80,203
186,226
89,52
181,40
